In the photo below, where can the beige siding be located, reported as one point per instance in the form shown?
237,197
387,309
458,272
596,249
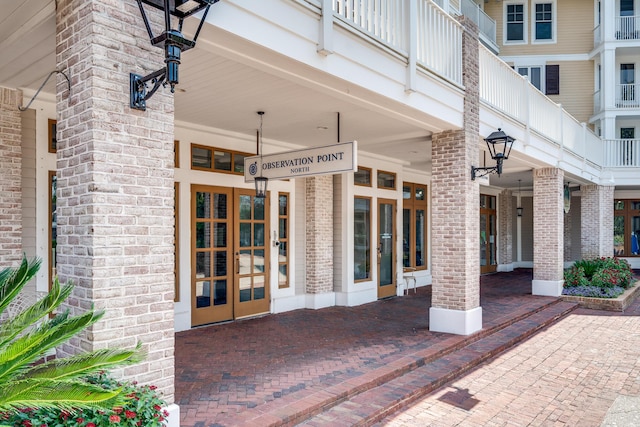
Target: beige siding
574,29
576,88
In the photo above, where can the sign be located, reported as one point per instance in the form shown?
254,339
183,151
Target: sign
331,159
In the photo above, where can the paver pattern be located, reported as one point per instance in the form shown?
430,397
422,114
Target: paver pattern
570,374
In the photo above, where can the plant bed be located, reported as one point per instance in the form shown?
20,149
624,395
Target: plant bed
600,284
619,303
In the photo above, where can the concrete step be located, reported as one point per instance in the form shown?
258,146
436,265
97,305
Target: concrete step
372,405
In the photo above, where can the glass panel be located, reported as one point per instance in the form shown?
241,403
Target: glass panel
618,205
258,261
362,177
220,237
282,251
386,245
635,236
282,275
492,202
283,228
200,157
406,192
258,287
420,238
238,163
258,213
635,205
219,292
421,193
245,207
483,240
220,206
203,235
245,289
386,180
406,237
245,262
203,205
203,264
222,160
203,294
536,79
361,239
492,240
220,263
618,235
283,202
258,234
483,201
245,234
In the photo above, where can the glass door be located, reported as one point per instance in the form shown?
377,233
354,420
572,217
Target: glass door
488,260
212,255
251,236
386,248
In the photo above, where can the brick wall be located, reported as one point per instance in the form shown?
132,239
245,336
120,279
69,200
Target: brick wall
548,224
505,227
596,221
115,186
319,234
10,178
455,199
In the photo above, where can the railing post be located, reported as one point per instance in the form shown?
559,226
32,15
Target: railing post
527,109
412,45
325,44
561,131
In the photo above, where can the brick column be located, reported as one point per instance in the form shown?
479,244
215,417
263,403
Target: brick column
596,218
455,211
319,237
115,187
10,178
548,231
505,231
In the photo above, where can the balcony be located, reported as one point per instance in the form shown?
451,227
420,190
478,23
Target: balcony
621,153
485,23
626,96
627,28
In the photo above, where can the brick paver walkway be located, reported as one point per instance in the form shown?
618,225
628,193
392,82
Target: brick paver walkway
570,374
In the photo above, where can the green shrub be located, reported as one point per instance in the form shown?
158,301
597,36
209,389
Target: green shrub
589,266
575,276
603,273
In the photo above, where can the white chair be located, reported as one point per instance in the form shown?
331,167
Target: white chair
408,276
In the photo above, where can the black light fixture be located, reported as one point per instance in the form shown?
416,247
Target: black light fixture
499,144
260,181
174,44
519,208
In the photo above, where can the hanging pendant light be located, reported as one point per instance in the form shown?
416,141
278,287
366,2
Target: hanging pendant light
260,181
519,208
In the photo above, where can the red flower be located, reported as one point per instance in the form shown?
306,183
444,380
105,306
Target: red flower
157,407
152,387
90,425
114,419
130,414
27,423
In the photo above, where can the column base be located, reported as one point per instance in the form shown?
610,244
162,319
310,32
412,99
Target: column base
548,288
457,322
173,420
317,301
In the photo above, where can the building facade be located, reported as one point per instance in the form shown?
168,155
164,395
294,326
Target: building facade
149,212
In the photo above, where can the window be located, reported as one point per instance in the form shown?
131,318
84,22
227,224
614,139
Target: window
544,22
627,82
626,7
176,154
414,226
534,74
626,152
362,239
53,140
217,160
283,239
362,177
626,228
387,180
515,22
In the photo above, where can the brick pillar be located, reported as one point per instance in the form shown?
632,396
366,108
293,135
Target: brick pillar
115,187
548,231
596,217
10,178
319,238
505,231
455,201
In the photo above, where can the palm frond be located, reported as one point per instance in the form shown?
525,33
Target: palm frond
84,364
27,318
12,280
55,394
30,347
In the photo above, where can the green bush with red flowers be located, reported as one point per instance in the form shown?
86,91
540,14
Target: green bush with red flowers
598,277
143,408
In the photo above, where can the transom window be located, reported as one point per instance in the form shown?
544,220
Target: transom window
217,159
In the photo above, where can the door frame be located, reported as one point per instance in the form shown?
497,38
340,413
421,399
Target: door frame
390,289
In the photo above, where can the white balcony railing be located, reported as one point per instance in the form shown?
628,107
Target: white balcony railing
597,106
627,96
485,23
628,27
621,152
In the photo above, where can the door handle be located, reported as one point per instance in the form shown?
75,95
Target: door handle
237,262
379,251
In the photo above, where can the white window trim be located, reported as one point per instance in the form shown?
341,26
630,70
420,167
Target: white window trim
543,74
525,19
554,22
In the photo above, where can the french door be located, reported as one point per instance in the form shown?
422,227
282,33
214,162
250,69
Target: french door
386,248
229,268
488,228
